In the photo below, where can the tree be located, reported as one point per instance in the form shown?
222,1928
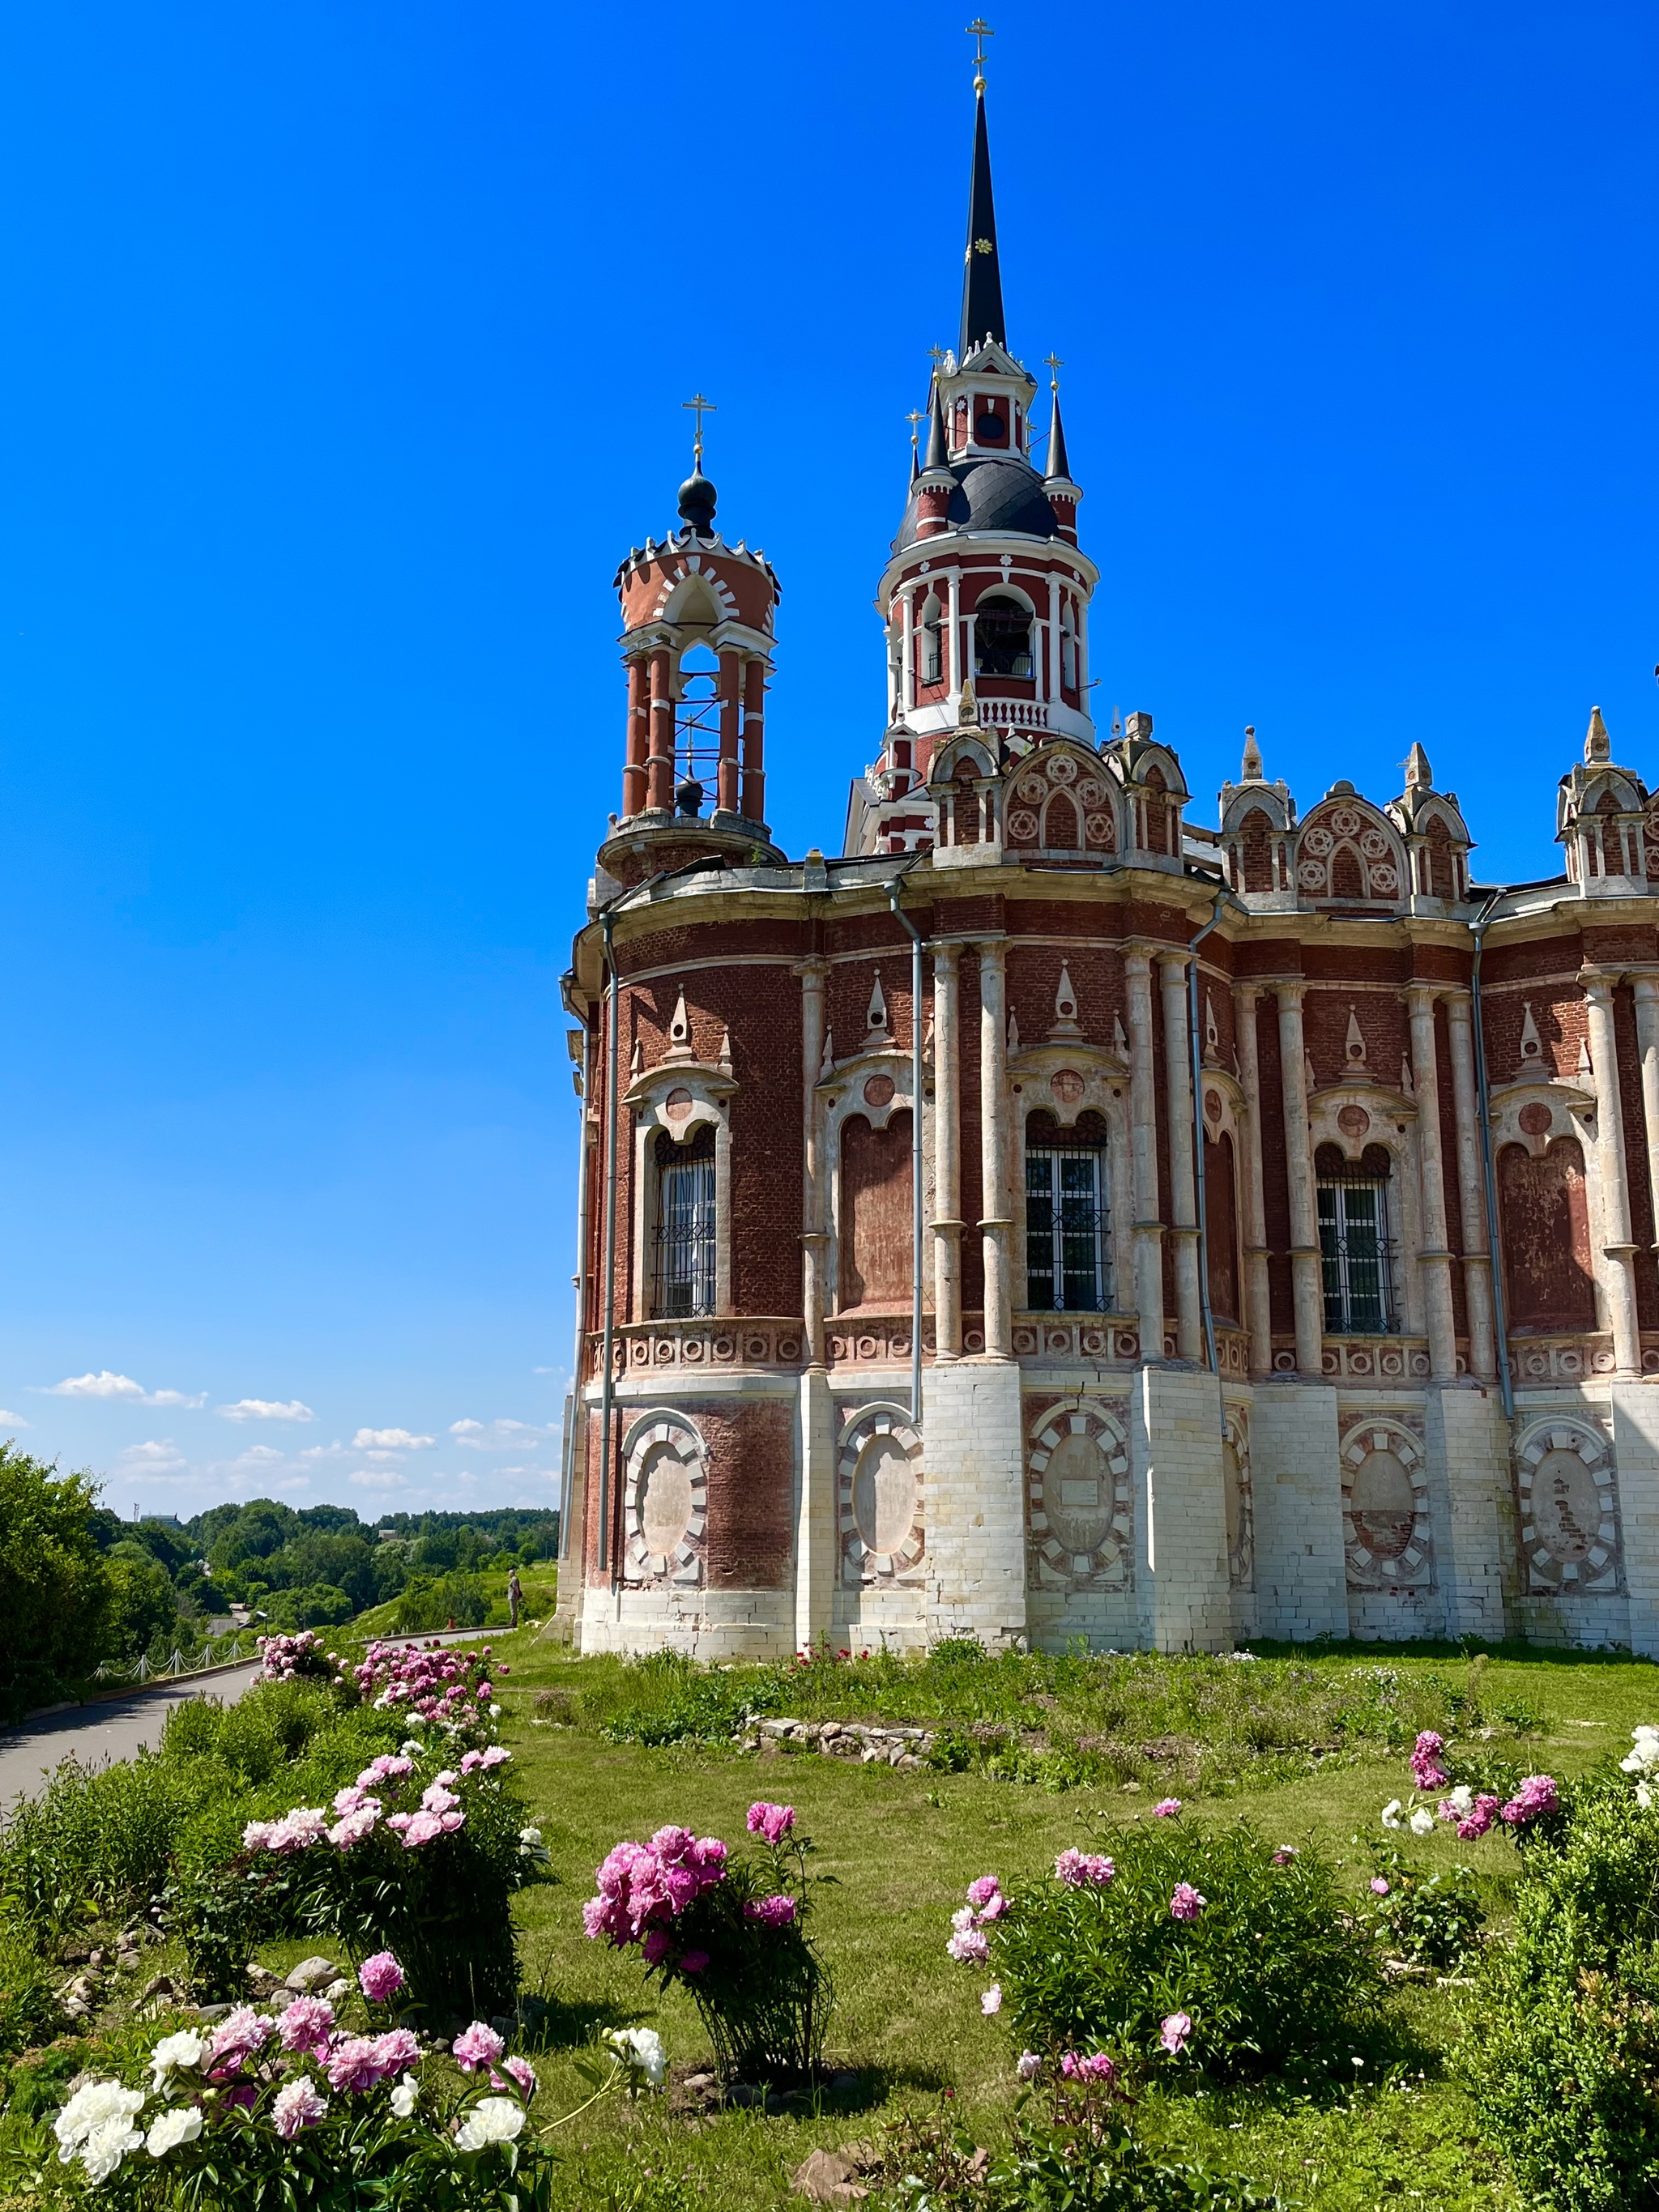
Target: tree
57,1597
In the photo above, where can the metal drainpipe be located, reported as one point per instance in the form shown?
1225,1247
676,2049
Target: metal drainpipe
915,1155
1198,1134
1483,1108
613,1046
567,1480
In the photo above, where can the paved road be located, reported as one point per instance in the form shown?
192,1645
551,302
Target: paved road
116,1728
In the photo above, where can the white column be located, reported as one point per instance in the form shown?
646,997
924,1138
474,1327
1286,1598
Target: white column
1183,1199
1435,1255
1472,1189
947,1157
953,585
813,1238
1616,1270
1646,990
1054,636
1148,1228
908,653
1258,1309
1306,1284
1083,652
995,1222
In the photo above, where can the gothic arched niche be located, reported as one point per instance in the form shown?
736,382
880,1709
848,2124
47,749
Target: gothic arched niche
1221,1237
1544,1211
1256,850
1157,815
875,1224
1061,831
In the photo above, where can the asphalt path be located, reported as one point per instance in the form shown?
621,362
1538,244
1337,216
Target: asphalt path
116,1727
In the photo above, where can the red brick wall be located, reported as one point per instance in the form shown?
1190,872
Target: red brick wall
752,1489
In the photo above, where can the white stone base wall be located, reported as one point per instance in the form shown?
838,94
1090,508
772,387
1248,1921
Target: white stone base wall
1181,1521
703,1624
974,1501
1471,1496
1301,1570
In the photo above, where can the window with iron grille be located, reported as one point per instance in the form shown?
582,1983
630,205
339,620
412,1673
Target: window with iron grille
684,1271
1066,1220
1354,1246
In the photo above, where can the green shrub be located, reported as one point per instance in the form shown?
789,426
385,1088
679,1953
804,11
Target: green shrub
103,1841
57,1597
1561,2061
314,1605
1270,1970
29,2012
1433,1920
458,1601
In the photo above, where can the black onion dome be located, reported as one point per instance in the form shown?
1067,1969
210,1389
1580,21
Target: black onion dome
698,502
993,496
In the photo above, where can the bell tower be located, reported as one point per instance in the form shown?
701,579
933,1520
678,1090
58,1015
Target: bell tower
697,641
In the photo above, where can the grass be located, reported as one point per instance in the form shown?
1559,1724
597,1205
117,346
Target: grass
1308,1743
540,1593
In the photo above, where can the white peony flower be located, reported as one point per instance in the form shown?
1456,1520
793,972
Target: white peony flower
494,1712
1645,1795
182,2050
96,2127
181,2126
105,2147
406,2097
492,2120
1391,1812
1463,1798
641,2051
1422,1821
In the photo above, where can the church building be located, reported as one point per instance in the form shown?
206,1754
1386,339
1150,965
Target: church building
1051,1217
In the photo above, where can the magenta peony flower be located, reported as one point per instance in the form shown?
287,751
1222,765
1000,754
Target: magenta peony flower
1479,1818
237,2035
380,1978
772,1821
1537,1793
981,1893
1082,1869
353,2063
1284,1855
1427,1772
1166,1809
1379,1888
1090,2066
398,2048
771,1911
298,2104
694,1962
477,2046
1187,1904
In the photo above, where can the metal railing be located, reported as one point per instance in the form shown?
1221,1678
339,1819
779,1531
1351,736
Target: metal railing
217,1651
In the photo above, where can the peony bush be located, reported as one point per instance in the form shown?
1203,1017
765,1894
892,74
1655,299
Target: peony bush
1182,1952
301,2109
733,1932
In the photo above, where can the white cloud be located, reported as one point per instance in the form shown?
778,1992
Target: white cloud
11,1420
378,1478
497,1436
266,1409
105,1385
161,1455
382,1440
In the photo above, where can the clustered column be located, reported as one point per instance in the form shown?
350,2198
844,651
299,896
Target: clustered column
947,1157
1183,1199
1258,1311
994,1223
1616,1272
1148,1228
1306,1289
660,763
1435,1252
814,1236
638,736
726,793
1472,1190
1646,990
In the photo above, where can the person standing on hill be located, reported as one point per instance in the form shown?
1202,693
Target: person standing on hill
514,1595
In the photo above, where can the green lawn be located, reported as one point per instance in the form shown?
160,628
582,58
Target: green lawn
902,1847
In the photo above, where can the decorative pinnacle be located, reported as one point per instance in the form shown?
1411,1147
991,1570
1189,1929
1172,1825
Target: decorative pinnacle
916,415
979,31
1053,364
699,407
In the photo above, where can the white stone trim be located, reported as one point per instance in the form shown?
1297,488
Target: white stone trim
683,1566
1108,1565
1414,1568
1545,1575
860,1561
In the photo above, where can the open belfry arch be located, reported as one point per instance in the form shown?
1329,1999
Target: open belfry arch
1050,1218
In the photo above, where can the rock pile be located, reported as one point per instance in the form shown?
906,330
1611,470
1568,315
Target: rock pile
902,1748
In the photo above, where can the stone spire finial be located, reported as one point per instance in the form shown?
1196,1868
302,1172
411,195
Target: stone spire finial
1356,1039
1419,776
1065,1020
1250,769
967,706
1597,745
877,1017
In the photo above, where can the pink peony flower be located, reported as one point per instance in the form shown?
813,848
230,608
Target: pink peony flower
774,1822
777,1911
1537,1793
477,2046
1427,1772
256,1837
437,1799
307,2025
380,1978
1090,2066
1284,1855
1082,1869
1187,1904
353,2063
991,2000
968,1948
237,2035
1027,2066
398,2048
354,1827
1166,1809
994,1909
1479,1818
495,1754
981,1893
1177,2027
524,2073
694,1962
1379,1888
424,1828
298,2104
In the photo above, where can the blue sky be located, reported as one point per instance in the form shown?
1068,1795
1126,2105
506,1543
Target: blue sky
344,353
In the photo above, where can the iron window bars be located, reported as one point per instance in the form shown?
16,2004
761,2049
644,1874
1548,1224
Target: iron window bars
1066,1222
1354,1250
685,1235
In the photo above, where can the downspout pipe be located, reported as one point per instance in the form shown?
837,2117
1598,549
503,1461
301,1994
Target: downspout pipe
567,1482
915,1154
607,1385
1483,1108
1195,1053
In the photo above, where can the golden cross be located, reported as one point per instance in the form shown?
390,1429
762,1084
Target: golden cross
1053,364
916,415
701,407
979,30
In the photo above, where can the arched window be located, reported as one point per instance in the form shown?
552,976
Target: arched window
1354,1247
1067,1265
875,1217
932,642
1545,1212
685,1272
1002,636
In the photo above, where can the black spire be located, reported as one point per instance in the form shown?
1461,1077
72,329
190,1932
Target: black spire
937,456
1058,469
981,279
